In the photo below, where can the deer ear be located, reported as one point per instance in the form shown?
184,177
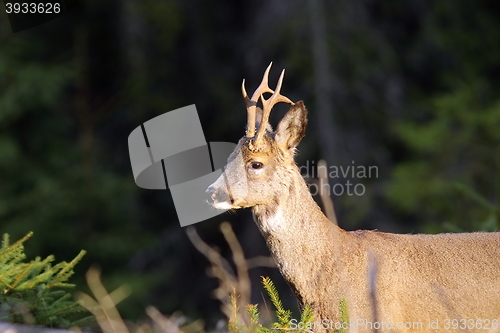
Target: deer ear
292,127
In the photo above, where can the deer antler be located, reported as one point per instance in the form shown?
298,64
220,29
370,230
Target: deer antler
267,105
251,104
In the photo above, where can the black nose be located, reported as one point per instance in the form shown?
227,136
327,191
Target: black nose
212,194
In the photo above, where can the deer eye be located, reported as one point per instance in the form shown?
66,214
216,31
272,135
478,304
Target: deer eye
256,165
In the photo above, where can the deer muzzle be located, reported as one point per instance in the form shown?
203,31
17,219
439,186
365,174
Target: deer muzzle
218,198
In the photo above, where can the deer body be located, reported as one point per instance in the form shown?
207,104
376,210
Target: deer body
388,280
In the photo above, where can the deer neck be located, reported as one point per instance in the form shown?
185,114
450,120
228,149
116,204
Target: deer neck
299,236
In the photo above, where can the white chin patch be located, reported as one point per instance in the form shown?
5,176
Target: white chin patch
223,205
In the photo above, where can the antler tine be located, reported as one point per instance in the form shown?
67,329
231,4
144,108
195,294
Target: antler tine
251,104
268,104
250,112
264,85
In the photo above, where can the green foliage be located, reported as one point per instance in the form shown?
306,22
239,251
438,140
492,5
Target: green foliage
56,167
344,315
453,175
447,179
283,316
237,324
31,292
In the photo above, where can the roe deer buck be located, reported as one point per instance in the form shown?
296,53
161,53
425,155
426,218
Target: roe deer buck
423,283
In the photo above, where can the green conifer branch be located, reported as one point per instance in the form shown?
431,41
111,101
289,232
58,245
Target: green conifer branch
236,325
307,315
30,292
253,313
282,315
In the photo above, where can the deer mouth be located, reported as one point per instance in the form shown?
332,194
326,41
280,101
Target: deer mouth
222,205
225,204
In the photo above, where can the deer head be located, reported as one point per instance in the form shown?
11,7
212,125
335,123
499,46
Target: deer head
263,160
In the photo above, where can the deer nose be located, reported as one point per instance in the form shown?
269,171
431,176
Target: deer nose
217,195
212,194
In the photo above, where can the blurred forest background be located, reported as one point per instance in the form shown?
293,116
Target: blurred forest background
412,87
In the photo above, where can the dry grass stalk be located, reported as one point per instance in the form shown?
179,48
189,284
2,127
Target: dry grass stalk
230,283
